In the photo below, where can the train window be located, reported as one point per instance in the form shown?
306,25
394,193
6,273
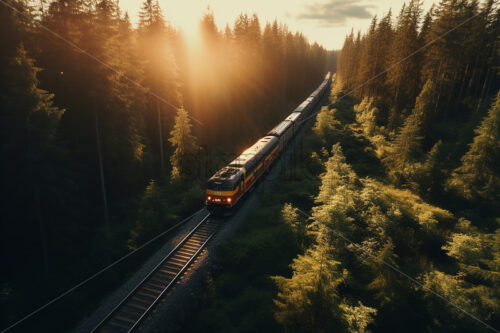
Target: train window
219,186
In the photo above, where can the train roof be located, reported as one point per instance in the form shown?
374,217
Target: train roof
318,90
293,116
302,106
252,155
225,175
281,128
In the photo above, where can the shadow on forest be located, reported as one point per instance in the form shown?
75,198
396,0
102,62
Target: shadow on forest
358,151
360,154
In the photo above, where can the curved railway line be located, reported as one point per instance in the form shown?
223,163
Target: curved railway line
135,307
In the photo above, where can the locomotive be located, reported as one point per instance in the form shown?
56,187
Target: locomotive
229,185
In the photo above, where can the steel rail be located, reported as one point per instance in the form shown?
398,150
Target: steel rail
174,280
103,322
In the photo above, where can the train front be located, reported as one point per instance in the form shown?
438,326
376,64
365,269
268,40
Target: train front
224,189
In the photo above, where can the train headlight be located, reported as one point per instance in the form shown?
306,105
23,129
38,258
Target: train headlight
209,198
229,200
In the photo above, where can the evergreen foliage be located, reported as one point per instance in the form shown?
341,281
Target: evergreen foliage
309,300
297,224
85,133
414,50
30,149
325,123
80,141
152,216
478,177
184,144
366,116
406,147
426,105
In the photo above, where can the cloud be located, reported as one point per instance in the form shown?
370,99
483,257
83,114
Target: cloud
336,12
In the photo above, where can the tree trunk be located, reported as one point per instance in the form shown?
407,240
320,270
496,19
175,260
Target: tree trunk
160,137
101,171
43,240
483,90
464,78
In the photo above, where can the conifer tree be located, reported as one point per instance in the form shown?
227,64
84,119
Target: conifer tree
368,61
383,40
184,144
406,146
291,218
448,60
13,29
161,76
476,286
208,28
150,17
28,133
432,174
309,300
479,174
152,215
424,107
402,74
366,114
30,120
325,124
386,281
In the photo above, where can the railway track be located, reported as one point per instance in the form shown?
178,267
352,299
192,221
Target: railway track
128,315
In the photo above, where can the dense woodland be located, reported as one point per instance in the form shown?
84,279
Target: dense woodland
401,173
109,131
425,199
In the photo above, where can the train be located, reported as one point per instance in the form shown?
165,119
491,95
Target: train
227,187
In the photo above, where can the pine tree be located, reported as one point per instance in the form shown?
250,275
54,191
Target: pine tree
292,219
423,37
185,146
406,147
30,120
13,29
367,65
448,61
345,59
401,76
476,286
161,77
151,18
383,40
152,216
386,281
309,300
424,107
366,114
432,174
478,177
325,124
29,123
208,28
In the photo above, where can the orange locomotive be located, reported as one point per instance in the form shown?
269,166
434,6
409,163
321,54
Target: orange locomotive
228,186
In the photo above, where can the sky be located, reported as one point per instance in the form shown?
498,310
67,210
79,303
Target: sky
324,21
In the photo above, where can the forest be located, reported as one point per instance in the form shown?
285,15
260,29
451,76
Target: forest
424,199
109,131
389,220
